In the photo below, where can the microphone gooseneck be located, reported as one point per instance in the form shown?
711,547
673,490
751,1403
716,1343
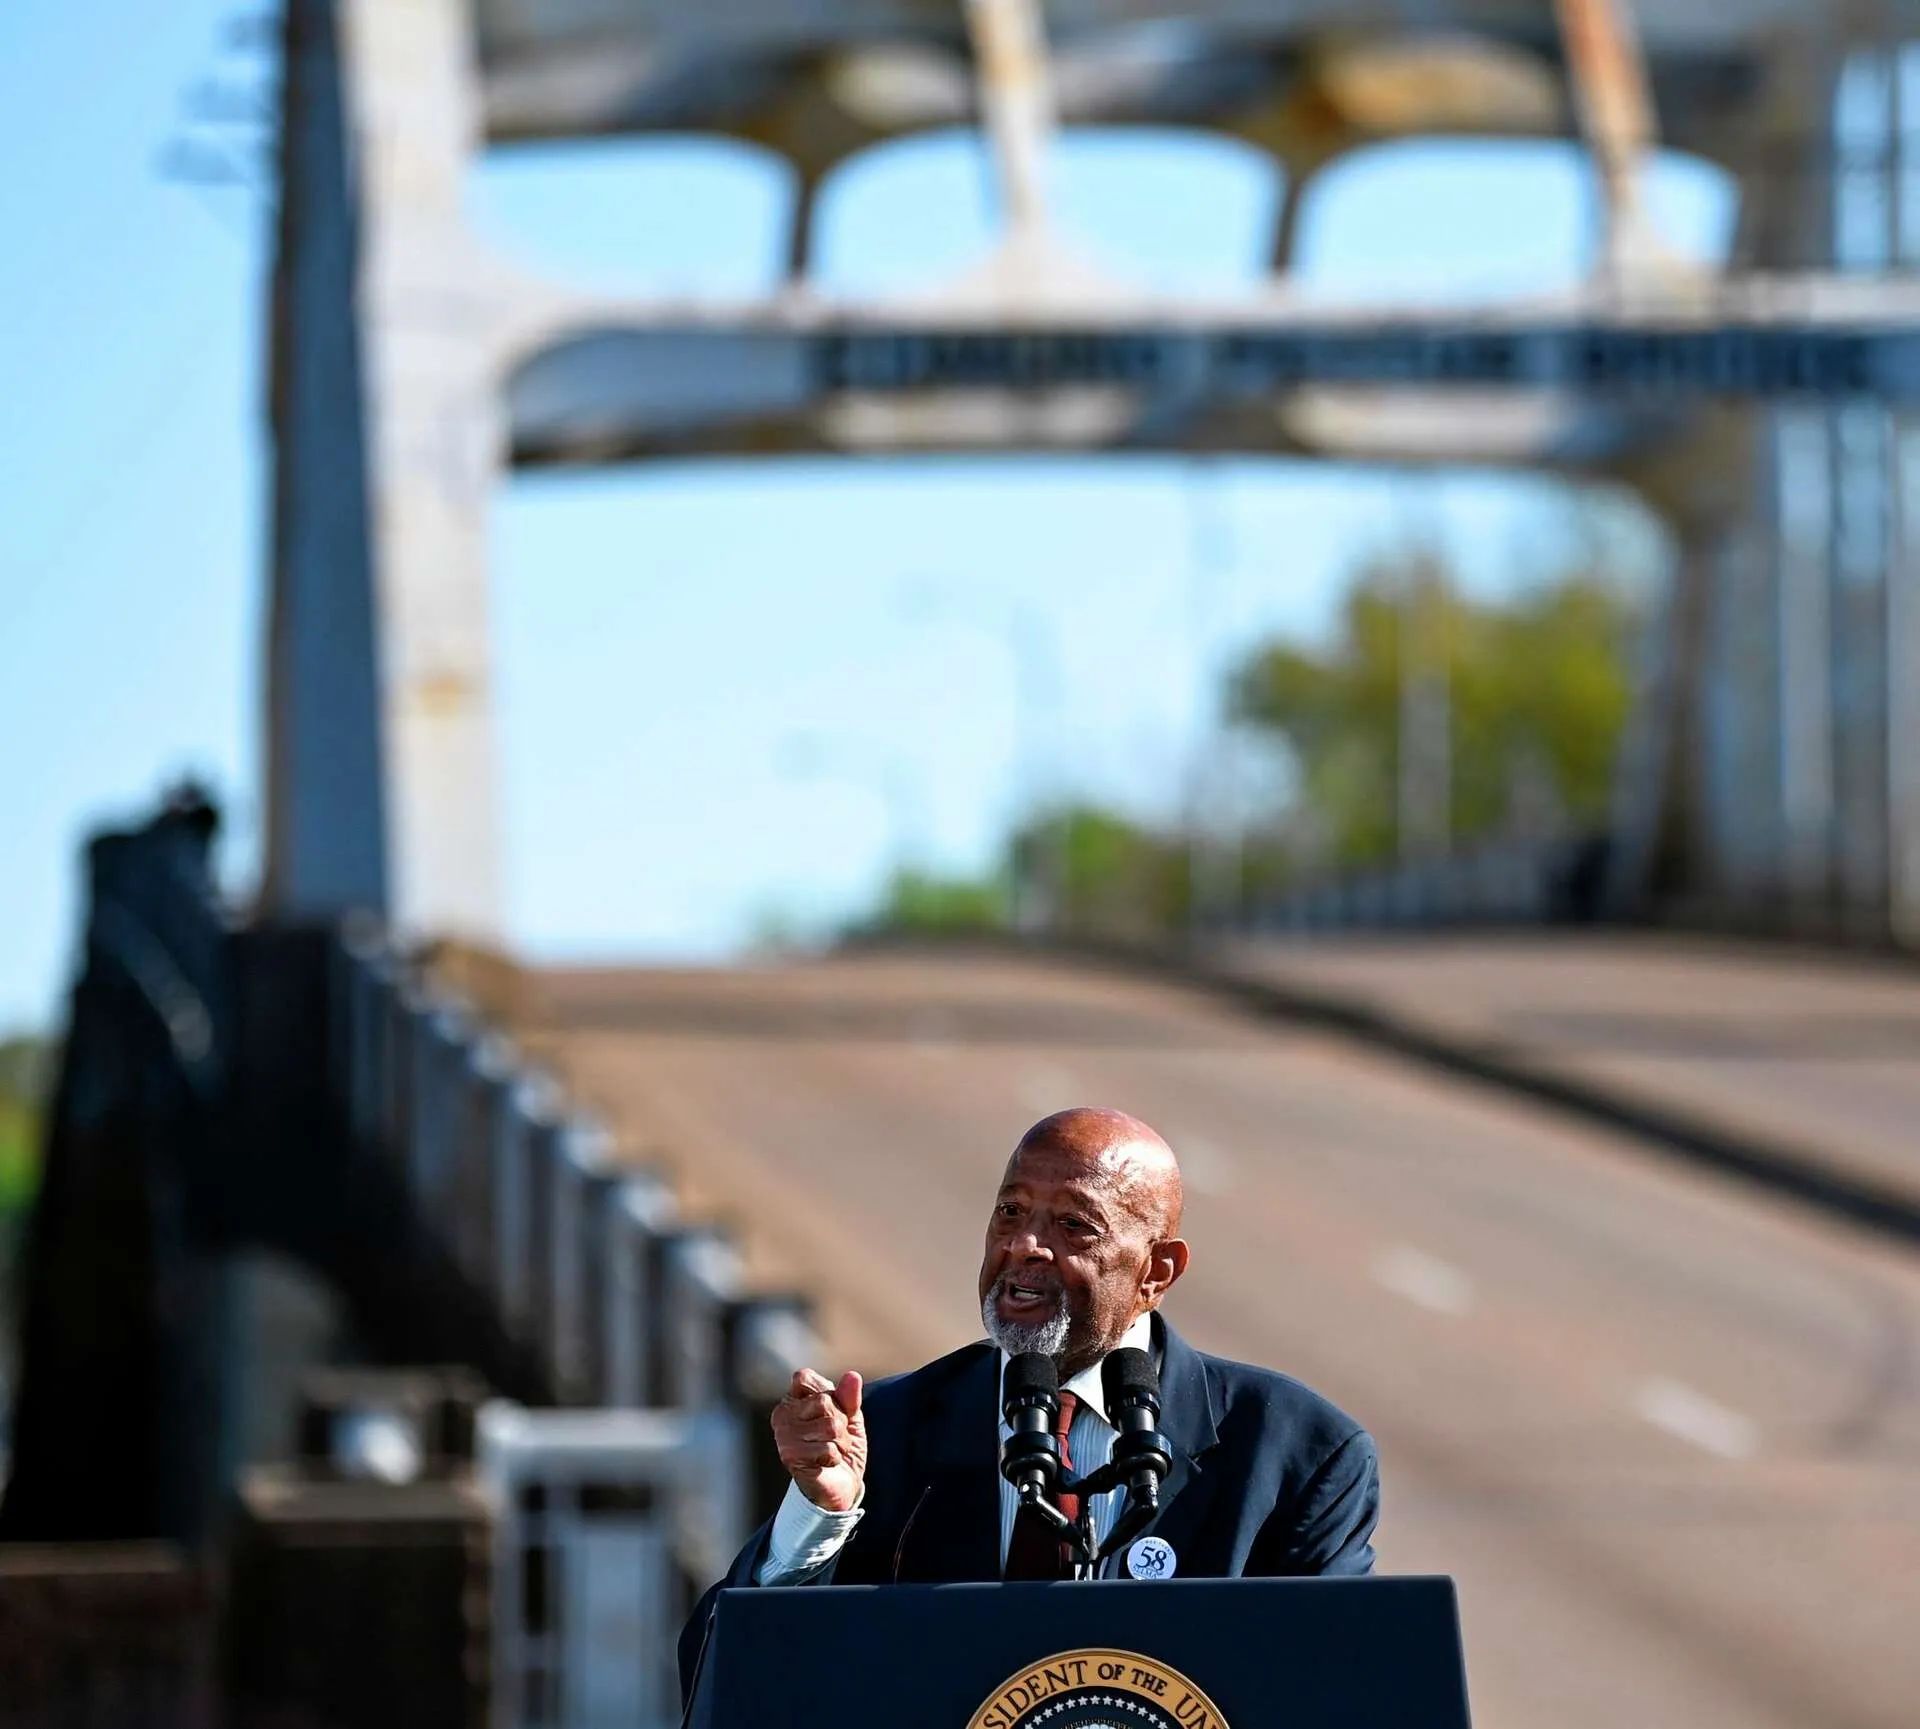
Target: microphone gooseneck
1141,1458
1030,1402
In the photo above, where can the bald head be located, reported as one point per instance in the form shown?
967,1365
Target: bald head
1084,1236
1117,1149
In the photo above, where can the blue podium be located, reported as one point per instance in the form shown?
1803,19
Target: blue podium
1378,1653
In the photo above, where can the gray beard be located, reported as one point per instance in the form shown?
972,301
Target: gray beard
1048,1337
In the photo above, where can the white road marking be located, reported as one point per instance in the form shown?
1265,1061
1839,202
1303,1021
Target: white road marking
1424,1279
1694,1418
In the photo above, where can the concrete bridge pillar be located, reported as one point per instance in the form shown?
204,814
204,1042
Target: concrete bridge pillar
1679,767
1842,498
1903,681
325,803
1777,775
405,315
436,444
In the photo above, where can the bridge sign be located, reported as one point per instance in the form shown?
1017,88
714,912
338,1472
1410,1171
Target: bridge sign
1589,359
645,386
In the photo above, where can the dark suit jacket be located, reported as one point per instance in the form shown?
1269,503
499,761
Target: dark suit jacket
1268,1479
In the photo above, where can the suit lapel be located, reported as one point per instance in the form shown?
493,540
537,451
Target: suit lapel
952,1534
1188,1420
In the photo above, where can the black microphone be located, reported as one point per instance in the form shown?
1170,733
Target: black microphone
1030,1394
1141,1457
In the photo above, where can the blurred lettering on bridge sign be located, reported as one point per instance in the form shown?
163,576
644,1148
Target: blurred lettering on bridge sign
1674,362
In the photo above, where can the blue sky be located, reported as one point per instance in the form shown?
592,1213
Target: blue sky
729,694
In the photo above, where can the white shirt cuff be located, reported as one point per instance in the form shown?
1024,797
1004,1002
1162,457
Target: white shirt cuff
804,1539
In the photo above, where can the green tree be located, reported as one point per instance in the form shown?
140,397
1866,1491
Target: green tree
26,1073
26,1079
1089,871
1531,691
1099,873
919,903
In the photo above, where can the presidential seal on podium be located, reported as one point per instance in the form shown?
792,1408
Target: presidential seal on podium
1098,1689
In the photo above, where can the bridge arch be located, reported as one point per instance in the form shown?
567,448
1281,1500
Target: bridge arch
613,196
1549,178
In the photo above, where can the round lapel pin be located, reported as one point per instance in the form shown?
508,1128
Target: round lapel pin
1152,1558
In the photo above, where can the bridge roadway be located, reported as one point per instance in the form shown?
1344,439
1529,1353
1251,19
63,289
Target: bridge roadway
1811,1057
1664,1431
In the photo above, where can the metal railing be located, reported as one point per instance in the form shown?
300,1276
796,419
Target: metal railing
297,1091
1503,884
626,1302
661,1362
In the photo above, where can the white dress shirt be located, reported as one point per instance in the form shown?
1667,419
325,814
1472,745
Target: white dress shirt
805,1537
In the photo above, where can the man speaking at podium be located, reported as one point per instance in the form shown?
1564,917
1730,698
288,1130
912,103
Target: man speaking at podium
900,1481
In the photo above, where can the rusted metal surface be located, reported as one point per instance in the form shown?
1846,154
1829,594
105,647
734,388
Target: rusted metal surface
359,1605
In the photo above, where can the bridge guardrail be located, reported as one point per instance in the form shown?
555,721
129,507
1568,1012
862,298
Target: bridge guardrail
638,1488
637,1220
591,1264
1508,883
313,1093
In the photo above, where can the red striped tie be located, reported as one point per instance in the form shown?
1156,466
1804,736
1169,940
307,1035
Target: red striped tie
1036,1550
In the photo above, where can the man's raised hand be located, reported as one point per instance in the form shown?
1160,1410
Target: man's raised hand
822,1438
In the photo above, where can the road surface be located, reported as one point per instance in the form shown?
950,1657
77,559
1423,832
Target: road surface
1819,1053
1664,1432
